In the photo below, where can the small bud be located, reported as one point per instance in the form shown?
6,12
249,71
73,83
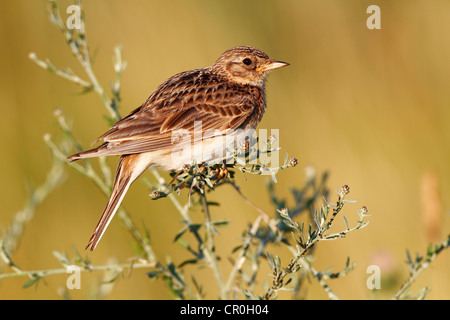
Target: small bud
47,137
272,138
363,210
186,167
293,162
154,194
283,211
57,112
201,184
344,190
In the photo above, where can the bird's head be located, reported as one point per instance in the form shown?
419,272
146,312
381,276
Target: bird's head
246,65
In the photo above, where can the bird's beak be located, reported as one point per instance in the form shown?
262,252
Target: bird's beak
270,64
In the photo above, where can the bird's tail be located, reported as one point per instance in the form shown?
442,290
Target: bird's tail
96,152
129,169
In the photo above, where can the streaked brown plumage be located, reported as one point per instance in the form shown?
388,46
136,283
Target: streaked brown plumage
227,96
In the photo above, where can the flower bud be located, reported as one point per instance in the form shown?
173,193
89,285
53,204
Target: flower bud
154,194
293,162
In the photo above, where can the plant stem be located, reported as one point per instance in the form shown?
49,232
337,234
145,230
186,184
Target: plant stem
241,258
209,247
42,273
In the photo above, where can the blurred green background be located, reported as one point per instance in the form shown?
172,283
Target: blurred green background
371,107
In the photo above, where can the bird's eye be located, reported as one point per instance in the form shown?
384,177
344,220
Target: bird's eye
247,61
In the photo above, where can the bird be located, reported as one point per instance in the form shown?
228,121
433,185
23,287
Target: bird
224,98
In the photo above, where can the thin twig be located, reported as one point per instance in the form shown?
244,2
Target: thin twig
241,257
272,223
5,257
209,247
21,219
420,265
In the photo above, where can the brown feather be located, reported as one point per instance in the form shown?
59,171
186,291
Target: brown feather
172,107
129,169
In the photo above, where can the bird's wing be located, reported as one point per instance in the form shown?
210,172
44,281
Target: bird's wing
176,104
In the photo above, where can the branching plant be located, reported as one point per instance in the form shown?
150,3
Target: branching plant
280,227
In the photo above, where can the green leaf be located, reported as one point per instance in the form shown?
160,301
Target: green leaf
265,285
30,282
346,223
430,250
316,220
274,178
209,183
190,261
221,223
198,287
184,243
62,257
181,232
408,259
236,248
173,271
271,262
153,274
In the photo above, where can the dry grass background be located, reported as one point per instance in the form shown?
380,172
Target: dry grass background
372,107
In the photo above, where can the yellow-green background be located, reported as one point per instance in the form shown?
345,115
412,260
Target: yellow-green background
372,107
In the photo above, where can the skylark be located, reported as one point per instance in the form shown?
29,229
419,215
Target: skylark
225,98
